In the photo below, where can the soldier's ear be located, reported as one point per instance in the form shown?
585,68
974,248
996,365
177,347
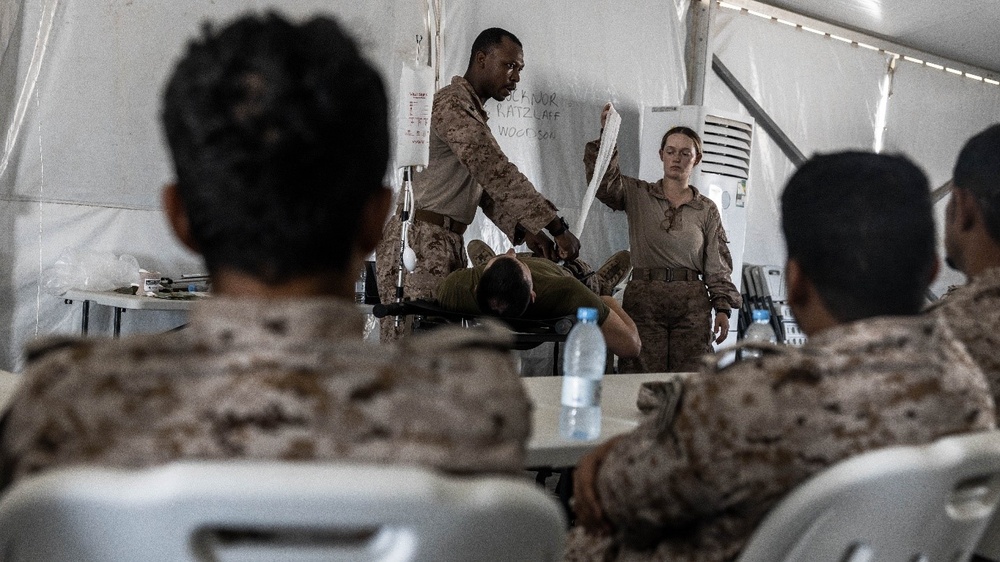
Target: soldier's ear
481,59
966,209
798,286
373,216
805,301
935,269
173,207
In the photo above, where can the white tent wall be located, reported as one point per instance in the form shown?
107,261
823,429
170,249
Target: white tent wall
823,93
931,114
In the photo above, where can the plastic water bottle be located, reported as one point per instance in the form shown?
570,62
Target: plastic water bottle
359,287
583,369
760,330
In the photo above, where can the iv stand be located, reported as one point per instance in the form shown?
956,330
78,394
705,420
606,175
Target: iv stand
404,244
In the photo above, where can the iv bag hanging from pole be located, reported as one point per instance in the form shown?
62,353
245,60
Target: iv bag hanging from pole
413,130
413,127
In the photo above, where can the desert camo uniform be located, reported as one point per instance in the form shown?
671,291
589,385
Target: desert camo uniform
693,481
286,379
973,312
467,169
682,269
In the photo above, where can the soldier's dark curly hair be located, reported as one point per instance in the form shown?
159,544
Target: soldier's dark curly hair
279,136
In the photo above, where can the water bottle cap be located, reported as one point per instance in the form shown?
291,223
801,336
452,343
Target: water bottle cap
759,314
586,313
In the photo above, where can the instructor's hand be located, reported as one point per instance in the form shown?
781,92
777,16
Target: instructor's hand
604,113
568,245
721,328
541,245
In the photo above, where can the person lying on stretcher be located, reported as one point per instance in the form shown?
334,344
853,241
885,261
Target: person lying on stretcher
513,286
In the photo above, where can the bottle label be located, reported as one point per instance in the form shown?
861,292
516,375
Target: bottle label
579,392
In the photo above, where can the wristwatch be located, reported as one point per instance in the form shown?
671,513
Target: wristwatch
559,230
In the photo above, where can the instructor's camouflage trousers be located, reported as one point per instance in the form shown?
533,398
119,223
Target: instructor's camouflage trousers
439,252
674,319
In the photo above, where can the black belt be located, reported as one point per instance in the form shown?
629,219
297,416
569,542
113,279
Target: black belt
665,274
438,219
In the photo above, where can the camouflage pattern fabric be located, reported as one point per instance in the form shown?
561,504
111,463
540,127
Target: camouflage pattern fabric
674,320
439,252
467,168
972,313
582,272
701,471
286,379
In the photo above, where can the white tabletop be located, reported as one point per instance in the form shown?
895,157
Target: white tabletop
619,414
132,302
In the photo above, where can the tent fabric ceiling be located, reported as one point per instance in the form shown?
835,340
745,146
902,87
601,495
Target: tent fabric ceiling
961,31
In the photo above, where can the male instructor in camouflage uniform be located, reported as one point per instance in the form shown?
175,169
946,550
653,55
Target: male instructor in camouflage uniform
468,169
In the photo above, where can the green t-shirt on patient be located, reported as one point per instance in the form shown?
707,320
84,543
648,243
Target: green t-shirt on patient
557,292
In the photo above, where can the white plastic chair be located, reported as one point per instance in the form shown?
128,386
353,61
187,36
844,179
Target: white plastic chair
925,503
274,511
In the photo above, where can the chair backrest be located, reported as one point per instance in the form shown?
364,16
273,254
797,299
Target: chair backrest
275,511
924,503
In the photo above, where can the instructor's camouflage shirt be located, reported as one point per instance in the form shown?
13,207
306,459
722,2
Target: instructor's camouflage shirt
468,168
286,379
693,481
973,312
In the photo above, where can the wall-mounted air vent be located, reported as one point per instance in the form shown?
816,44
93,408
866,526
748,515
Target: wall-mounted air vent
726,144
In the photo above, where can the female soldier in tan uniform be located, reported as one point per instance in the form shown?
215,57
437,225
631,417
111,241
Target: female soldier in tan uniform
682,264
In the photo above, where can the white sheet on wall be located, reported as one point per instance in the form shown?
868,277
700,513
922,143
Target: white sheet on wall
578,56
931,115
80,85
823,93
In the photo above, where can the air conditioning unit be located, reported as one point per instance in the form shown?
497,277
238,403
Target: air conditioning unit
723,174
